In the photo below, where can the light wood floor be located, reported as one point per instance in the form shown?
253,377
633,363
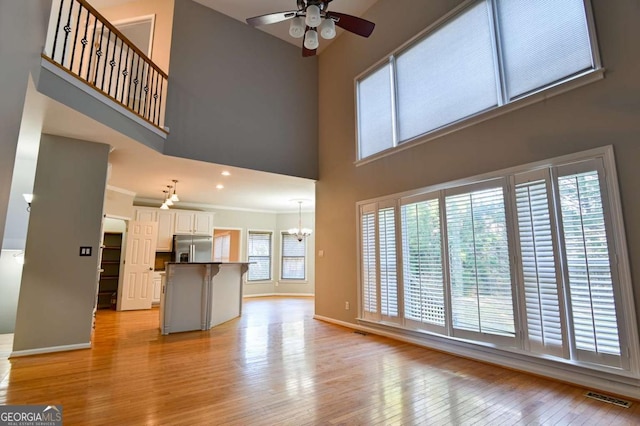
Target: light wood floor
278,366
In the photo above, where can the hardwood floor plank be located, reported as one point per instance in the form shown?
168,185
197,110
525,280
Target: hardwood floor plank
278,366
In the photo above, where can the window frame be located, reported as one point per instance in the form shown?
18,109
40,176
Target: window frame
284,234
504,104
270,257
623,286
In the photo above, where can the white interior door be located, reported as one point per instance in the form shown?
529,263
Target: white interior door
140,252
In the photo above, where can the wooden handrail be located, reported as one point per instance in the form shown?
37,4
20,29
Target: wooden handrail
117,32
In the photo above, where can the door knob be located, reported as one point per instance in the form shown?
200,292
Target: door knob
150,268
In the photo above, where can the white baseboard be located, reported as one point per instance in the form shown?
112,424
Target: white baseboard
51,349
616,384
278,294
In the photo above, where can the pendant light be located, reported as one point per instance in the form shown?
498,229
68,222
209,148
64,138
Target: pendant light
164,205
174,196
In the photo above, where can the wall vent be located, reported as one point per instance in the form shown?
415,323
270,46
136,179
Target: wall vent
362,333
610,399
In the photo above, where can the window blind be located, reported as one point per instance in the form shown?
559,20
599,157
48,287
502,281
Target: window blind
422,263
545,322
293,257
479,265
375,125
543,41
369,287
388,266
448,75
259,255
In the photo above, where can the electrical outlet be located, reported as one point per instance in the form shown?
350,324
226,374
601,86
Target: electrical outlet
346,306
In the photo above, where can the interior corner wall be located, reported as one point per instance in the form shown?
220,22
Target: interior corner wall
240,97
58,290
602,113
118,204
23,27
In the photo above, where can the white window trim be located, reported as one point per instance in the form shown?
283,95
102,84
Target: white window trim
504,106
246,279
306,261
628,327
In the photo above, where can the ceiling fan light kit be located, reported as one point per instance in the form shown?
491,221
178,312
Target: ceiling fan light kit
312,17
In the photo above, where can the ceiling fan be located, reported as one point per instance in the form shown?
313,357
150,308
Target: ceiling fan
313,16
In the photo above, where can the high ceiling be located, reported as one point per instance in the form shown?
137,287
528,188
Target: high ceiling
243,9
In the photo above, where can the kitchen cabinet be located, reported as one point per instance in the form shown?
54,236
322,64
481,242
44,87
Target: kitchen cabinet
190,222
165,230
157,288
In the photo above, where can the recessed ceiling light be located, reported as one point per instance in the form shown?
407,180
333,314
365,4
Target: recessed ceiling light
219,186
225,173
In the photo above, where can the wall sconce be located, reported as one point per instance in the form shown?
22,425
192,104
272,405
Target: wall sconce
28,198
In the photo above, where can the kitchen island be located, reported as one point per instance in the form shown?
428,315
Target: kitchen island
199,296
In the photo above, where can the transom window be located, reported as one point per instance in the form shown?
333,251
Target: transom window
485,55
528,259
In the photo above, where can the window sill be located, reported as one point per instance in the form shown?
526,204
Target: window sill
541,95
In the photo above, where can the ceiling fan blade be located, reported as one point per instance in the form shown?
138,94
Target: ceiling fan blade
356,25
271,18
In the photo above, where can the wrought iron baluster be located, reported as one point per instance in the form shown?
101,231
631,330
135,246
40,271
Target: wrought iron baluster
112,63
159,102
67,30
106,58
93,42
99,55
126,82
135,83
115,95
75,38
84,42
146,90
55,38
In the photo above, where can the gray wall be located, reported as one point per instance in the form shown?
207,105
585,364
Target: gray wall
58,289
602,113
240,97
23,26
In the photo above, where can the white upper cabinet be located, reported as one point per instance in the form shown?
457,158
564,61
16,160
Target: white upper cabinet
202,223
189,222
165,230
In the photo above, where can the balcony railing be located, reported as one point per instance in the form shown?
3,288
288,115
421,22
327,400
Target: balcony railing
86,45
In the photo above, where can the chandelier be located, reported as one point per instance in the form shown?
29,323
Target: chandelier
300,232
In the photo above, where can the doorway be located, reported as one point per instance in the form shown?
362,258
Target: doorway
226,244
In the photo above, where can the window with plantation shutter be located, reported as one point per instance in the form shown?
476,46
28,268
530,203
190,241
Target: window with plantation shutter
479,265
259,256
293,257
422,264
368,254
545,325
588,263
531,259
388,268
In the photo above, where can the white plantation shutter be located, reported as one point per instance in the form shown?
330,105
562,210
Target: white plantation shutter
545,324
388,266
479,265
369,264
293,257
422,265
588,263
259,256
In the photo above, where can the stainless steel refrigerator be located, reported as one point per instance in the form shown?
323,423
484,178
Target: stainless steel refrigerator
192,248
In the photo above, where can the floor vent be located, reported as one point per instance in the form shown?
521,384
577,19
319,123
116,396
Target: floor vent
362,333
609,399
